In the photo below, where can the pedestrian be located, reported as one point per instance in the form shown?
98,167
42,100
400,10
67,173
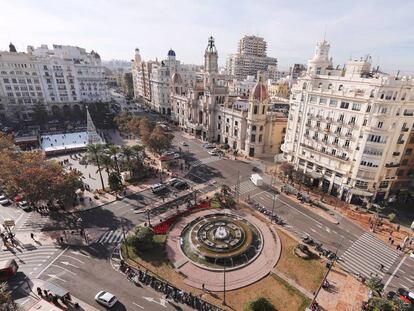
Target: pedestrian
381,267
32,236
398,227
392,242
202,287
389,239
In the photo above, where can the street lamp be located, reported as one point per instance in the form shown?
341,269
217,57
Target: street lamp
273,207
224,283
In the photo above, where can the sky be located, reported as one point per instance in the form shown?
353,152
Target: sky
114,28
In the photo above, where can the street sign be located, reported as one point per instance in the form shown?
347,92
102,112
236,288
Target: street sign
9,223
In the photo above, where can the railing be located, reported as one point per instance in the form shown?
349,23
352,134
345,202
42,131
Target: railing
395,154
404,129
400,142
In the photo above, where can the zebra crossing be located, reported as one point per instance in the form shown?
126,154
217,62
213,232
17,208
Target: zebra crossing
110,237
207,160
366,255
245,188
30,259
34,222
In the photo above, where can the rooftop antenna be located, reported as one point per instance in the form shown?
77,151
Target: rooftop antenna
324,34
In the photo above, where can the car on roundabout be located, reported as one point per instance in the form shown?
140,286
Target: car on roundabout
106,299
4,201
24,205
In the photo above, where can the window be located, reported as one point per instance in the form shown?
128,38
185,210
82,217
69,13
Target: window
341,87
404,162
318,124
263,109
253,127
323,101
361,184
408,151
260,138
227,128
333,103
384,184
255,110
261,128
346,143
253,138
312,99
236,123
320,86
344,105
380,124
329,86
356,106
318,70
338,130
228,120
365,122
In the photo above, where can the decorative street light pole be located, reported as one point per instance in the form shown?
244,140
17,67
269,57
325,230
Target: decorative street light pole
224,283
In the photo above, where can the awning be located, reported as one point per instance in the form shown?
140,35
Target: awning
361,192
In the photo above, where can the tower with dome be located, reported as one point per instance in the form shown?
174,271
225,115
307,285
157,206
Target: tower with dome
206,111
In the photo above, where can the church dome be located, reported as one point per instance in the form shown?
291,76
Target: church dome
259,92
171,53
176,78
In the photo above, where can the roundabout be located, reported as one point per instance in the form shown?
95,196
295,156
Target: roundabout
209,245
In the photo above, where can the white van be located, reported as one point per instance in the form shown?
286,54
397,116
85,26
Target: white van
256,179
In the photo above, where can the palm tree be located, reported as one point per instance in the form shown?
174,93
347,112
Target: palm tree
106,162
138,151
375,285
127,152
94,151
112,151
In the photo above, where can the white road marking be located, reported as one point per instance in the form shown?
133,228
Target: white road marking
161,302
64,269
395,271
53,276
68,264
283,202
313,230
138,305
79,253
40,273
327,229
74,258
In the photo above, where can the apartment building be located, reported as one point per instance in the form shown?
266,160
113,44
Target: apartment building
348,128
250,58
61,79
152,80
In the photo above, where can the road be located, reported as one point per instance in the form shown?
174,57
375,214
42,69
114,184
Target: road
90,267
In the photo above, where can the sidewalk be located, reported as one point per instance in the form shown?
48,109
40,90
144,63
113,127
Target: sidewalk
35,283
345,293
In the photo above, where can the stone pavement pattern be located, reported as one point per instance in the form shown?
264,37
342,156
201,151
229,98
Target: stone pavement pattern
345,293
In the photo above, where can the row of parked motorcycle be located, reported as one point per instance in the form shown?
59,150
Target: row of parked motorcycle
172,294
319,247
277,219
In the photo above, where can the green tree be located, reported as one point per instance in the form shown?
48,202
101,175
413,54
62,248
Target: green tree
391,217
159,140
114,181
6,301
145,129
106,162
127,153
260,304
95,150
286,170
225,189
375,284
382,304
112,151
40,114
142,238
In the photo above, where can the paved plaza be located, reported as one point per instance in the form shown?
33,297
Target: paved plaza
213,280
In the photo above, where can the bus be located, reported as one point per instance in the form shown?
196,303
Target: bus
8,268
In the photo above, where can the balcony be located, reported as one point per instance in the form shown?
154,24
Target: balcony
341,158
400,142
395,154
404,129
392,165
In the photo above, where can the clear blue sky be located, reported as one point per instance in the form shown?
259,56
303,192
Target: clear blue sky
384,29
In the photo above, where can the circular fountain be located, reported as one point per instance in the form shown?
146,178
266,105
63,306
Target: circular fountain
218,240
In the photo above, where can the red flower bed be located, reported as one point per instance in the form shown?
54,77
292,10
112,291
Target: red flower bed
163,227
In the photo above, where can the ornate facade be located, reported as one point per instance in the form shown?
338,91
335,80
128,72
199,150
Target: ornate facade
208,112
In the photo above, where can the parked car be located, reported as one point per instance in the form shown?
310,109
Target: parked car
106,299
406,295
181,185
208,146
4,201
216,152
157,188
172,181
24,205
